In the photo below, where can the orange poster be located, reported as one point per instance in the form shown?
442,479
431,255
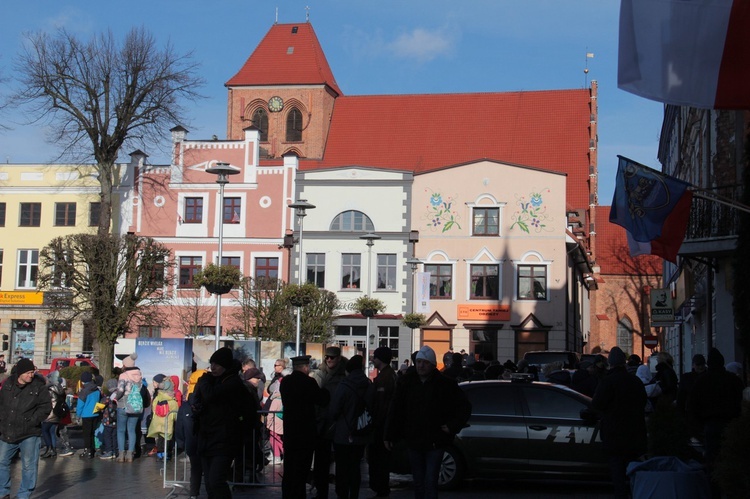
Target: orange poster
484,312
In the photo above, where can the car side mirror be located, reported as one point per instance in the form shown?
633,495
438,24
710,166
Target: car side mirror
589,415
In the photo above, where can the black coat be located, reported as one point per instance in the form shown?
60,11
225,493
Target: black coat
224,412
621,399
23,408
716,397
300,395
419,410
354,394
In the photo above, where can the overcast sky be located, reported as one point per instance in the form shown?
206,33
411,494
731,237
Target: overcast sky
383,47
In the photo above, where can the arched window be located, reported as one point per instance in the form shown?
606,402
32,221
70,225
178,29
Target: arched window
260,121
294,125
352,221
625,335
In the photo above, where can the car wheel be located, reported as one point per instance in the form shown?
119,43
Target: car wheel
452,469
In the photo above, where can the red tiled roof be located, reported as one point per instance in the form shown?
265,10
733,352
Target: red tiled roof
289,54
543,129
612,253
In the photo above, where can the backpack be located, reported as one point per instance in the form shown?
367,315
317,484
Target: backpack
363,425
162,408
61,409
134,402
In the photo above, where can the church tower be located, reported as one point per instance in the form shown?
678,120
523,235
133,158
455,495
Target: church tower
287,91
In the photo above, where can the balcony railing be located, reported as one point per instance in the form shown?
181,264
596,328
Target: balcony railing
711,220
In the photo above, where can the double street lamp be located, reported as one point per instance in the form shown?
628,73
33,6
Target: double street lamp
369,237
300,207
222,172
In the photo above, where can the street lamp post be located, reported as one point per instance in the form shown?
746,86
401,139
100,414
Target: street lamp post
414,263
222,172
300,207
369,237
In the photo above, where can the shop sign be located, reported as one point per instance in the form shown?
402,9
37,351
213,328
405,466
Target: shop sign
21,298
484,312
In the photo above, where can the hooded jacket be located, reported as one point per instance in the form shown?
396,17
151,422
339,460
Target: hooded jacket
23,408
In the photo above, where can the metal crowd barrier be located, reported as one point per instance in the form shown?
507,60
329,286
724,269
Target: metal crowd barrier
251,468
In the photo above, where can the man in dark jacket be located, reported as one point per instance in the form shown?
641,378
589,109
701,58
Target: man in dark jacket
428,410
224,413
379,458
300,395
328,377
621,400
715,400
24,404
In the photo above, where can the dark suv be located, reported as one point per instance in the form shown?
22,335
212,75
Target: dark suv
523,428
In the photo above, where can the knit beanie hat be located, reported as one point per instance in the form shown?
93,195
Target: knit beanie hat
428,354
616,357
111,385
223,356
356,362
384,354
86,377
24,365
129,361
159,378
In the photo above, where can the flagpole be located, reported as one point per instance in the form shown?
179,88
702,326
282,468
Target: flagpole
697,191
717,198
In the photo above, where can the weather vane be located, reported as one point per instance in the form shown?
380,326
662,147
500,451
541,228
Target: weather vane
589,55
307,13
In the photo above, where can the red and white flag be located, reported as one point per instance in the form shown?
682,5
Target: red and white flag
686,52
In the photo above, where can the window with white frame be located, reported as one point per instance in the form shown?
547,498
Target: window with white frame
352,221
486,221
485,282
351,264
193,211
388,337
189,267
441,280
532,282
386,271
316,269
28,267
352,336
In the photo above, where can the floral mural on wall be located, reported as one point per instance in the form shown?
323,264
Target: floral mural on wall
532,213
440,216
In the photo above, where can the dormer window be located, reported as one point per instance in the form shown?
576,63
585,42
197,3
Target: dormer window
260,121
294,125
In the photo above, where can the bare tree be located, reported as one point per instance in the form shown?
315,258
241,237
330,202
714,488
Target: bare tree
638,274
112,280
262,310
191,314
99,97
266,310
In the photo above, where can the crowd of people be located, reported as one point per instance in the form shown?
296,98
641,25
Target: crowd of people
321,424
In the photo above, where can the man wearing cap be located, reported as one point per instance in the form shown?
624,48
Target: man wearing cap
427,411
328,377
24,404
621,399
379,458
300,396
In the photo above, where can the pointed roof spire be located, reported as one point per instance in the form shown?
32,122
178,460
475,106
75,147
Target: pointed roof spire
289,54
